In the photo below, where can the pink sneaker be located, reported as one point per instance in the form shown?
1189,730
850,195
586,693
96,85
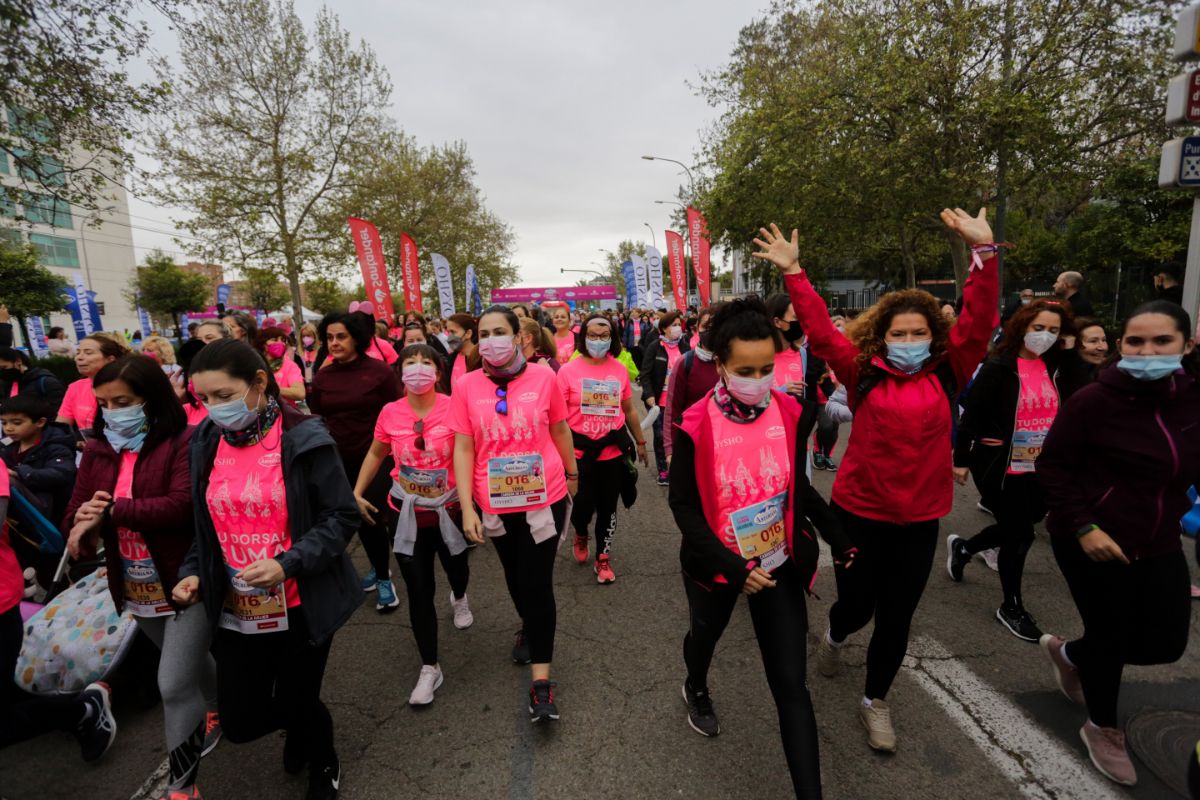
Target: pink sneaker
1065,675
604,570
1106,747
580,549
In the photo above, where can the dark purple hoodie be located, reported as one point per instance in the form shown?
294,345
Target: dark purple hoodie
1121,454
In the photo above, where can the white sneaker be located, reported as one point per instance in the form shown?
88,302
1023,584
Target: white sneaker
991,558
427,684
463,618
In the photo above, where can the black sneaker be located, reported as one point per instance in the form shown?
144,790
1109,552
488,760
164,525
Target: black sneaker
818,461
701,715
294,757
520,651
830,464
1019,623
957,557
664,478
323,783
98,729
541,701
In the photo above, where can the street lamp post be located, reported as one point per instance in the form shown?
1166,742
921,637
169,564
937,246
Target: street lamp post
691,180
653,241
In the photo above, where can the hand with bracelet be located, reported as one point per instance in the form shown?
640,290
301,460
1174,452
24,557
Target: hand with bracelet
1099,546
641,453
573,481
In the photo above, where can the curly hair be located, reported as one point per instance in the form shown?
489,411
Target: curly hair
868,330
1014,330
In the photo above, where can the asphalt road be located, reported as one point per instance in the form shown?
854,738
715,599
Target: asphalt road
976,711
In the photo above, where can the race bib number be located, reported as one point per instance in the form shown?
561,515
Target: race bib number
761,531
600,398
430,483
516,481
249,609
144,595
1026,447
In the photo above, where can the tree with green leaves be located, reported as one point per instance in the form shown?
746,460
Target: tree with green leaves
30,290
429,193
257,137
324,295
613,259
165,289
262,289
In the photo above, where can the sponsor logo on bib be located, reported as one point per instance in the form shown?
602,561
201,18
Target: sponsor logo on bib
140,572
767,516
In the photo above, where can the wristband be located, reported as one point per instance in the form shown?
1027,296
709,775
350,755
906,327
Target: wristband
642,443
1085,530
572,476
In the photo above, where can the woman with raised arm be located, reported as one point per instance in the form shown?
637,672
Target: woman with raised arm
901,369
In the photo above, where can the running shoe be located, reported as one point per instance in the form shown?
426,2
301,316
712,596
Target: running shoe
1106,748
1019,623
877,719
830,464
429,682
580,549
984,508
1065,674
98,729
323,783
957,557
664,478
370,581
179,794
541,701
463,618
294,758
991,558
819,461
388,601
212,732
701,716
829,658
520,651
604,571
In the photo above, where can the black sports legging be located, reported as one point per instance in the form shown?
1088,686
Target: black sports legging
827,433
1016,503
1135,613
780,623
599,489
421,583
886,582
529,574
24,716
376,539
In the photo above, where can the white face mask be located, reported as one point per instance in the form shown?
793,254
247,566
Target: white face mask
1038,342
674,333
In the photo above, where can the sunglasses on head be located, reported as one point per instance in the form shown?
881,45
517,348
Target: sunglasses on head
502,403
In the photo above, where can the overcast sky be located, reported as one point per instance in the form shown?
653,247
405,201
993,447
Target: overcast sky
557,102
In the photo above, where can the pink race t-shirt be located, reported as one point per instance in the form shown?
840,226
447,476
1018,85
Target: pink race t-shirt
145,595
12,581
287,375
1037,406
458,370
195,414
428,472
594,394
382,350
79,404
673,356
565,348
517,466
248,502
789,366
753,472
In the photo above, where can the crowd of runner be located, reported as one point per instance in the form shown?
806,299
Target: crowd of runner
220,482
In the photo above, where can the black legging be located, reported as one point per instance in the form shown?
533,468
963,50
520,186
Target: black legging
660,450
1136,613
24,716
529,574
780,623
420,583
376,539
272,681
827,433
1016,503
886,582
599,489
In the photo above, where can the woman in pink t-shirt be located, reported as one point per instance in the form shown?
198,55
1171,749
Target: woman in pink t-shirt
463,344
564,337
513,458
422,508
79,403
273,344
606,430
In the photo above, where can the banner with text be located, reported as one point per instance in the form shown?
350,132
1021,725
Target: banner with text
473,297
445,283
144,321
654,272
223,292
639,273
374,269
678,265
630,284
411,273
698,234
546,294
36,334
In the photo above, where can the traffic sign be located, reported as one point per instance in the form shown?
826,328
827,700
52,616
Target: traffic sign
1183,99
1179,166
1187,34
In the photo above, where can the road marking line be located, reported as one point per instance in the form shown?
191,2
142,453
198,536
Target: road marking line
1040,765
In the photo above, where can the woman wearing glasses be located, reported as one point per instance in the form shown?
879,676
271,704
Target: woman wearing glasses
513,458
422,507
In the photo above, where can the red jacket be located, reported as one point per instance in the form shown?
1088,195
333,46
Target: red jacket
160,509
897,466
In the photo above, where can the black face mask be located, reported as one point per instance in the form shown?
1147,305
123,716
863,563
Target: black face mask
794,332
10,374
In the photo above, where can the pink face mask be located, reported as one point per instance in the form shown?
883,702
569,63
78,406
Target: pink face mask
497,350
308,340
418,378
276,349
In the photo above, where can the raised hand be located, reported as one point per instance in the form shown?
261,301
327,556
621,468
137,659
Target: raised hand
779,251
972,230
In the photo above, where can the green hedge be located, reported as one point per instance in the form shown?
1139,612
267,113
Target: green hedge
62,367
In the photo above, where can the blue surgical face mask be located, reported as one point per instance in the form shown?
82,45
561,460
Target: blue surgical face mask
908,356
1150,368
598,348
233,415
125,428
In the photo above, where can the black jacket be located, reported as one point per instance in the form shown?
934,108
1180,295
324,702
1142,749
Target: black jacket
40,383
653,369
322,515
48,468
991,403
